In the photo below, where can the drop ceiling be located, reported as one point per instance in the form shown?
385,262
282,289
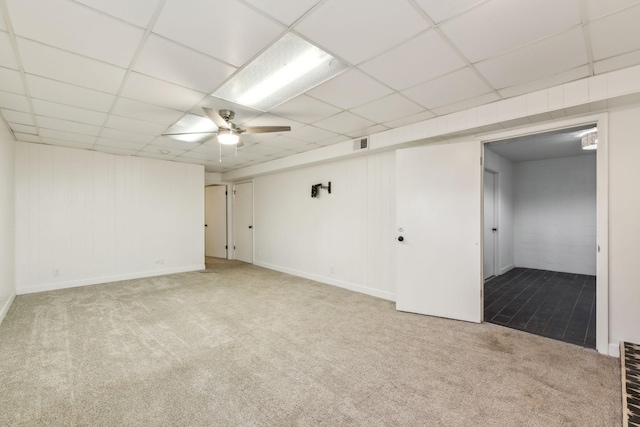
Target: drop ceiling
112,75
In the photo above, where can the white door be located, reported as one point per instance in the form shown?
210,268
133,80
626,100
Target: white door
438,211
490,228
243,221
215,219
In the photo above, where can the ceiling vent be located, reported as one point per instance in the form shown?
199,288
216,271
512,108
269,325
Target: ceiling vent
361,144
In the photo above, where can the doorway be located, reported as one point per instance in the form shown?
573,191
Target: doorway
215,218
546,282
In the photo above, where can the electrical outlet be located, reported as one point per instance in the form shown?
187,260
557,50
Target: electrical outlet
331,269
56,272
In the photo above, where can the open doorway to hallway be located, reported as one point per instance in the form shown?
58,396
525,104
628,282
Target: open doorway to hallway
540,230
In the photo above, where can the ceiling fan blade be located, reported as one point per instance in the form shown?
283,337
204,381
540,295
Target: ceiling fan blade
187,133
265,129
216,118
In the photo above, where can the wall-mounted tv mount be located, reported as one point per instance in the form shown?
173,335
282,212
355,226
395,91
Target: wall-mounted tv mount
316,188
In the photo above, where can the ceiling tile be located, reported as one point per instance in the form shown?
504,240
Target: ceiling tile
357,33
467,103
158,92
285,11
64,93
25,137
615,34
169,61
157,155
439,10
146,112
224,29
199,156
48,134
480,32
161,151
358,133
16,127
7,56
286,143
115,150
114,143
66,112
455,87
3,26
555,80
137,12
392,107
344,123
335,140
349,90
305,109
67,143
56,64
126,136
599,8
17,117
265,149
75,28
617,62
133,125
165,142
536,61
7,59
311,134
67,126
10,81
12,101
418,54
425,115
305,148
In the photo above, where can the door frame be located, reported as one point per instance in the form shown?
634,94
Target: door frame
232,241
602,208
496,223
226,216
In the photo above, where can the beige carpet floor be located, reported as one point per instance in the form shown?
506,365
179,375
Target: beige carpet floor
239,345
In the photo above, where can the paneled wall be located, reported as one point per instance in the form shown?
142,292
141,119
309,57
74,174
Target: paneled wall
84,217
7,205
555,214
345,238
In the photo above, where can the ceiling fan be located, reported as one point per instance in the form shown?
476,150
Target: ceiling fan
228,133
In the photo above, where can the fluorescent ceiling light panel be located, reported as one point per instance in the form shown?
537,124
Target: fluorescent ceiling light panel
199,128
288,68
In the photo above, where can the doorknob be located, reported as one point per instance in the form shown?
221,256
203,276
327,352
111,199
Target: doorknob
400,238
251,226
494,229
206,225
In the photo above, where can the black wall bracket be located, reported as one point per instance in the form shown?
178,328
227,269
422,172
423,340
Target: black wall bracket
315,189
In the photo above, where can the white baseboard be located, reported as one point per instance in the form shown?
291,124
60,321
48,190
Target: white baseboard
507,268
614,350
329,281
7,306
106,279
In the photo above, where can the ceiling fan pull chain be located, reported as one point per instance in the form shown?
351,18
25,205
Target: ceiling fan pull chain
220,152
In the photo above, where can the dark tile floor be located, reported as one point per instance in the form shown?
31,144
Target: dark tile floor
555,305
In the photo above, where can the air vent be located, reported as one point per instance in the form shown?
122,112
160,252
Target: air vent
361,143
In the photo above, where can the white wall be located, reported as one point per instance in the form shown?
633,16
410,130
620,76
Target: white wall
7,205
555,214
624,225
97,217
345,238
504,170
